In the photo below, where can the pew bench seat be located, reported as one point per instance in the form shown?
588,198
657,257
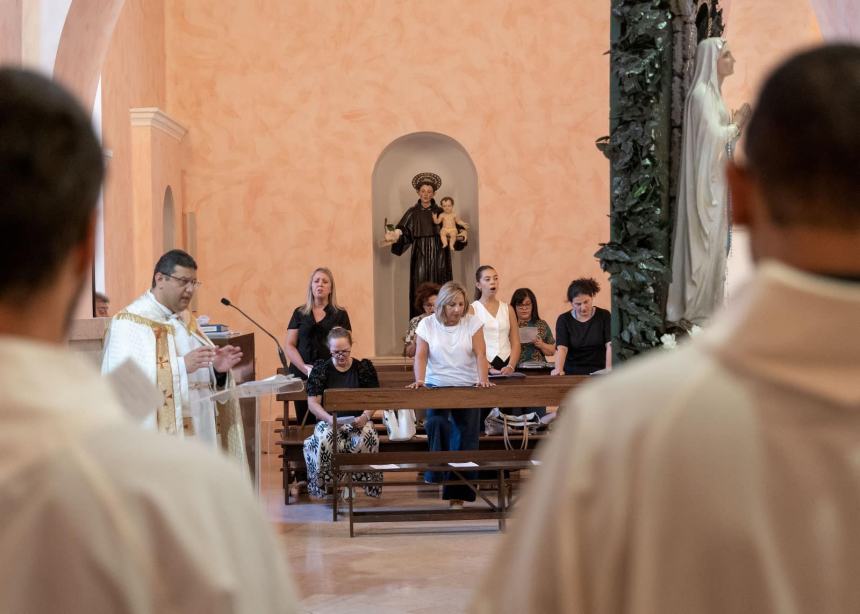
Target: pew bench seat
499,462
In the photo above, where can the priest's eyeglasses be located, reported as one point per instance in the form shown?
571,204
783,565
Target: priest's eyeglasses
184,281
340,353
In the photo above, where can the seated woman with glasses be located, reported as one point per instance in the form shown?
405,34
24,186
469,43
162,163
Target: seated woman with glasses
355,431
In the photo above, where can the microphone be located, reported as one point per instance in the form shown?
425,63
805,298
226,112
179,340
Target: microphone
281,354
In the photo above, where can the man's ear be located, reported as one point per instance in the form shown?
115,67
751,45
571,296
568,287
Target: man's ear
83,255
742,189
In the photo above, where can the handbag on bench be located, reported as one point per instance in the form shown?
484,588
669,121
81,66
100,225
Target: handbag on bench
498,423
400,424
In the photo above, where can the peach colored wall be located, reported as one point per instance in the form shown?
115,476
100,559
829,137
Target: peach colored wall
11,26
156,164
761,33
85,39
289,105
132,76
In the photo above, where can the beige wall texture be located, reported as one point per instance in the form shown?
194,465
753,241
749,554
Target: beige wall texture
132,76
289,105
11,29
760,34
157,160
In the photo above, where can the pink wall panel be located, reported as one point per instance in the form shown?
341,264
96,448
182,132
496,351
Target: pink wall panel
290,104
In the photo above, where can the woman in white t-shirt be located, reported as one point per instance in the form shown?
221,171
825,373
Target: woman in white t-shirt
450,351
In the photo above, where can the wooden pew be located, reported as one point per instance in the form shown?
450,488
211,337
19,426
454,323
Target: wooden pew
509,392
292,437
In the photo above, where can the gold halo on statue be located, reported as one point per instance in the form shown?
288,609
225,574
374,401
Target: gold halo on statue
432,178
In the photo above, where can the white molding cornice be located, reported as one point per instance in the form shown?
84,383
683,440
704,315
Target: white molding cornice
153,117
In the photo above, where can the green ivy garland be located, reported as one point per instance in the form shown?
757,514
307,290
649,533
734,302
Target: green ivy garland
636,255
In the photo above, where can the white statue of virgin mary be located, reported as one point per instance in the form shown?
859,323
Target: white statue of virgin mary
700,245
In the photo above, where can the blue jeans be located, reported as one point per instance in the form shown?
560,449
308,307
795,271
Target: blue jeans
457,429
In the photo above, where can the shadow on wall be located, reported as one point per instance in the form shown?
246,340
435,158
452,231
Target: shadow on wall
392,188
168,221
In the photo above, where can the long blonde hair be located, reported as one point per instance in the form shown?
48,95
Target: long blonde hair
332,299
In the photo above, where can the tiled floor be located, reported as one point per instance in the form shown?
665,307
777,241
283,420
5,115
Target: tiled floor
387,568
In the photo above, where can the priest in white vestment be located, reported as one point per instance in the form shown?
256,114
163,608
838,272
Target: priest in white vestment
97,516
162,338
724,477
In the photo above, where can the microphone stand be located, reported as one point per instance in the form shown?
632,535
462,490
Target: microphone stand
281,354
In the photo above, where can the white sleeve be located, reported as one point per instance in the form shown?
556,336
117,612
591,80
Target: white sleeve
423,329
475,324
127,340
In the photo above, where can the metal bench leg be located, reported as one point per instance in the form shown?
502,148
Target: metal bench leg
501,499
336,496
351,497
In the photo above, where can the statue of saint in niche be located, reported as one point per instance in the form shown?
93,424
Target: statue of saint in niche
701,238
430,261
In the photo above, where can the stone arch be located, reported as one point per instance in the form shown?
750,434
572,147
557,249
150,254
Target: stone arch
83,45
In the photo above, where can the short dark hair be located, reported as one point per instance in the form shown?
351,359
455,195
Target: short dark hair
447,198
520,295
423,183
424,291
803,140
584,285
51,170
172,259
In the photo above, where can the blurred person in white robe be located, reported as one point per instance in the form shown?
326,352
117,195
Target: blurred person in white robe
97,516
724,476
159,334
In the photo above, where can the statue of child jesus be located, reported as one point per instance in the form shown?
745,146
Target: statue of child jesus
449,221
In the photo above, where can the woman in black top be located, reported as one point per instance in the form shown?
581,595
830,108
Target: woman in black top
354,432
583,334
309,327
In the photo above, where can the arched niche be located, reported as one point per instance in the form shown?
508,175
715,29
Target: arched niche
168,223
392,189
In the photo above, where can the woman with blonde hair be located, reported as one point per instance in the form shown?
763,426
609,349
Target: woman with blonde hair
450,351
309,328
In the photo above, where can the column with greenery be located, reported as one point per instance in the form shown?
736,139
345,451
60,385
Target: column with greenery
636,256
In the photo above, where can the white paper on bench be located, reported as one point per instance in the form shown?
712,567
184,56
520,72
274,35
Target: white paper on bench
534,462
381,467
469,464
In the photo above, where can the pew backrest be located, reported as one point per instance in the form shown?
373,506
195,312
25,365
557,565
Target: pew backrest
513,392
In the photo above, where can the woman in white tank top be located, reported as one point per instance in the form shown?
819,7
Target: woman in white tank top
502,339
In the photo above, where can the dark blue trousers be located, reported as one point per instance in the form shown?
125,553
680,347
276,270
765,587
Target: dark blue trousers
457,429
